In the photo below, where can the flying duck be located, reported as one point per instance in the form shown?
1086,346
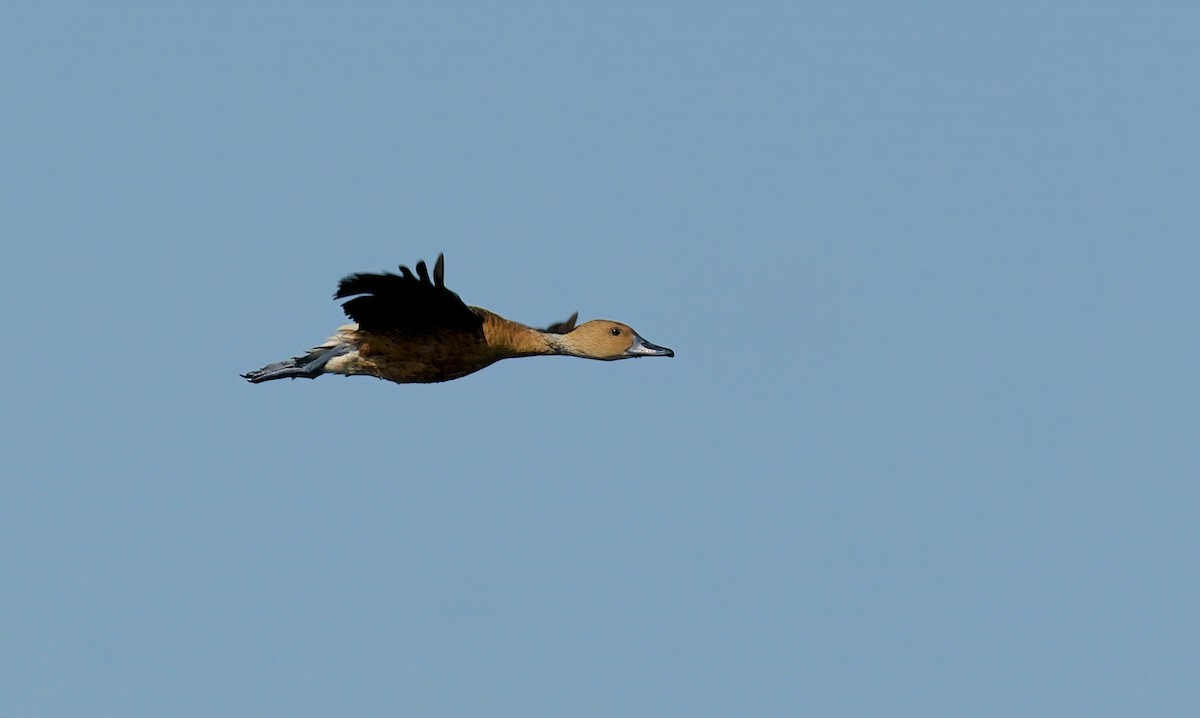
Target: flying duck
411,329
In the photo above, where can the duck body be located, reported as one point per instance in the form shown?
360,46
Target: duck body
440,355
411,329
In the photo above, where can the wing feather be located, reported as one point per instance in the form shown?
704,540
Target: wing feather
406,303
563,327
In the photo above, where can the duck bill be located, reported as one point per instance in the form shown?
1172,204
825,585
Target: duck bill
643,348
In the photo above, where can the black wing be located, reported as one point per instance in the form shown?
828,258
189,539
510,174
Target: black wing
563,327
406,303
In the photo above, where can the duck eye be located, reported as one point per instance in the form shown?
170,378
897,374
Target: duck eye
616,332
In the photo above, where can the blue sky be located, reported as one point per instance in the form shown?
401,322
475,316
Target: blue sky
928,446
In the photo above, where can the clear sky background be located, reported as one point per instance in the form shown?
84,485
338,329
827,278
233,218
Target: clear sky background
929,446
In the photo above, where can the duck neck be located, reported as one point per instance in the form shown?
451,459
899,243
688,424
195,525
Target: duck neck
517,340
527,341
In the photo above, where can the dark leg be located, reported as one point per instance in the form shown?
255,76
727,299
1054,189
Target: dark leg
309,366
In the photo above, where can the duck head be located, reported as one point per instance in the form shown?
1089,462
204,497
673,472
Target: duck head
608,340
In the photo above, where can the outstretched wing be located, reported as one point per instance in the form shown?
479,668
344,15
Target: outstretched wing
406,303
563,327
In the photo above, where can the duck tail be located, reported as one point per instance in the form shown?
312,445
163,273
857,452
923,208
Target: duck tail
308,366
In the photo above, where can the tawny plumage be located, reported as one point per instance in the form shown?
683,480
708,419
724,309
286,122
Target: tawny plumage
410,329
